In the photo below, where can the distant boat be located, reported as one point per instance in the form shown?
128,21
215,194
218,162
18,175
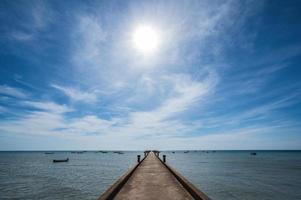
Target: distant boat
118,152
78,152
186,151
173,152
64,160
253,153
49,153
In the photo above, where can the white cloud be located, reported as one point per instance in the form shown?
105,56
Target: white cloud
22,36
161,127
89,124
38,15
42,14
90,37
185,92
163,120
11,91
255,113
166,119
48,106
35,123
77,95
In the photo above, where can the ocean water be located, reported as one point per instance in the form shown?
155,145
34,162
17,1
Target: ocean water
221,175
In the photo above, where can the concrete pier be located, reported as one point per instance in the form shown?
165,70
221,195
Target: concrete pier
152,179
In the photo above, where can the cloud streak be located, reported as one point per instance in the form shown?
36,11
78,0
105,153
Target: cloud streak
12,92
77,95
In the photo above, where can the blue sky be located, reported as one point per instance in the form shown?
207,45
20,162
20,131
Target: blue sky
226,75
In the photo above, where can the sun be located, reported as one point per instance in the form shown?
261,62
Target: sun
145,39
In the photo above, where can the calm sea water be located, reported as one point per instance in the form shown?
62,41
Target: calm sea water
221,175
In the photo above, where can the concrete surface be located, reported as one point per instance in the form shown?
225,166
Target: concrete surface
152,181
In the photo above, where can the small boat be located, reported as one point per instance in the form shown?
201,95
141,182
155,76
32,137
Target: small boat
118,152
64,160
253,153
78,152
173,152
186,151
49,153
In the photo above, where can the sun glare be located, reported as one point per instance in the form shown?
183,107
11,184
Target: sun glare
145,39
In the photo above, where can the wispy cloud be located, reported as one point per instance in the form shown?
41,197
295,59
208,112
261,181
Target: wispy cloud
90,38
22,36
48,106
77,95
13,92
35,123
166,119
37,16
89,125
262,114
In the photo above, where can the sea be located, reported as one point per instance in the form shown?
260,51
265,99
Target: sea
222,175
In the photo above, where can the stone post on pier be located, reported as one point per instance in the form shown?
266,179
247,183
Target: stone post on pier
146,153
157,153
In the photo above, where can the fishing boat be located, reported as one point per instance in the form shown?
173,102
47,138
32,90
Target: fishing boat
63,160
49,153
253,153
186,151
118,152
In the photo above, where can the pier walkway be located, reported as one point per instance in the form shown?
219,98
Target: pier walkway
152,179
